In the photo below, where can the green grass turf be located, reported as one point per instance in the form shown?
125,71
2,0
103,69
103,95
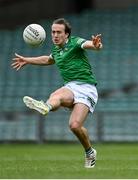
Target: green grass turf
26,161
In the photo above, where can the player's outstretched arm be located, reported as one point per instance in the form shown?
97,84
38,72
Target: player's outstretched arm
20,61
95,43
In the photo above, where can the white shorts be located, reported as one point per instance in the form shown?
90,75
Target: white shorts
84,93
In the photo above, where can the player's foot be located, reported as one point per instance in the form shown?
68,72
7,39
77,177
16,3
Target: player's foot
91,161
39,106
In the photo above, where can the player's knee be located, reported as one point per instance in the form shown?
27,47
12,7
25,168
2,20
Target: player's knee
55,95
74,126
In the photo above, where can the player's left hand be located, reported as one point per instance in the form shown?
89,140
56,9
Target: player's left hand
97,41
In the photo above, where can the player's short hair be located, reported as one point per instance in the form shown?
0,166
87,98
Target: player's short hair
65,23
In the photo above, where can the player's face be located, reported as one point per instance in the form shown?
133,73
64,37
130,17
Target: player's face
59,37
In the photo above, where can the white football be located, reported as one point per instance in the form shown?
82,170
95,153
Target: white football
34,35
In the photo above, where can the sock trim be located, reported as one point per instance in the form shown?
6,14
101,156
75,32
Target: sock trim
49,106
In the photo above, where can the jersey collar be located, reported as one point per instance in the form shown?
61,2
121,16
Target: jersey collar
64,46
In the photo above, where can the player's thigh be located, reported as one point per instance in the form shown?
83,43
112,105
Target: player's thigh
78,115
65,95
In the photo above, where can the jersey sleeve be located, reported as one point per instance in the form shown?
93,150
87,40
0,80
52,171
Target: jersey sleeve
80,42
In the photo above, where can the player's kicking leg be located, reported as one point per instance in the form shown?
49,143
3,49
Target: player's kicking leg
62,96
39,106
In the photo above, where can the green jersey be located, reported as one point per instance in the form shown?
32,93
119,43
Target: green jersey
72,61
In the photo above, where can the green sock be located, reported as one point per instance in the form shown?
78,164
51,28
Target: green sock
89,151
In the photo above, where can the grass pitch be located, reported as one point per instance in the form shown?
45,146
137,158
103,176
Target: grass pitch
66,161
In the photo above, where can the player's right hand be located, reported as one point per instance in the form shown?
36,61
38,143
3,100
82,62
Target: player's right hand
19,62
